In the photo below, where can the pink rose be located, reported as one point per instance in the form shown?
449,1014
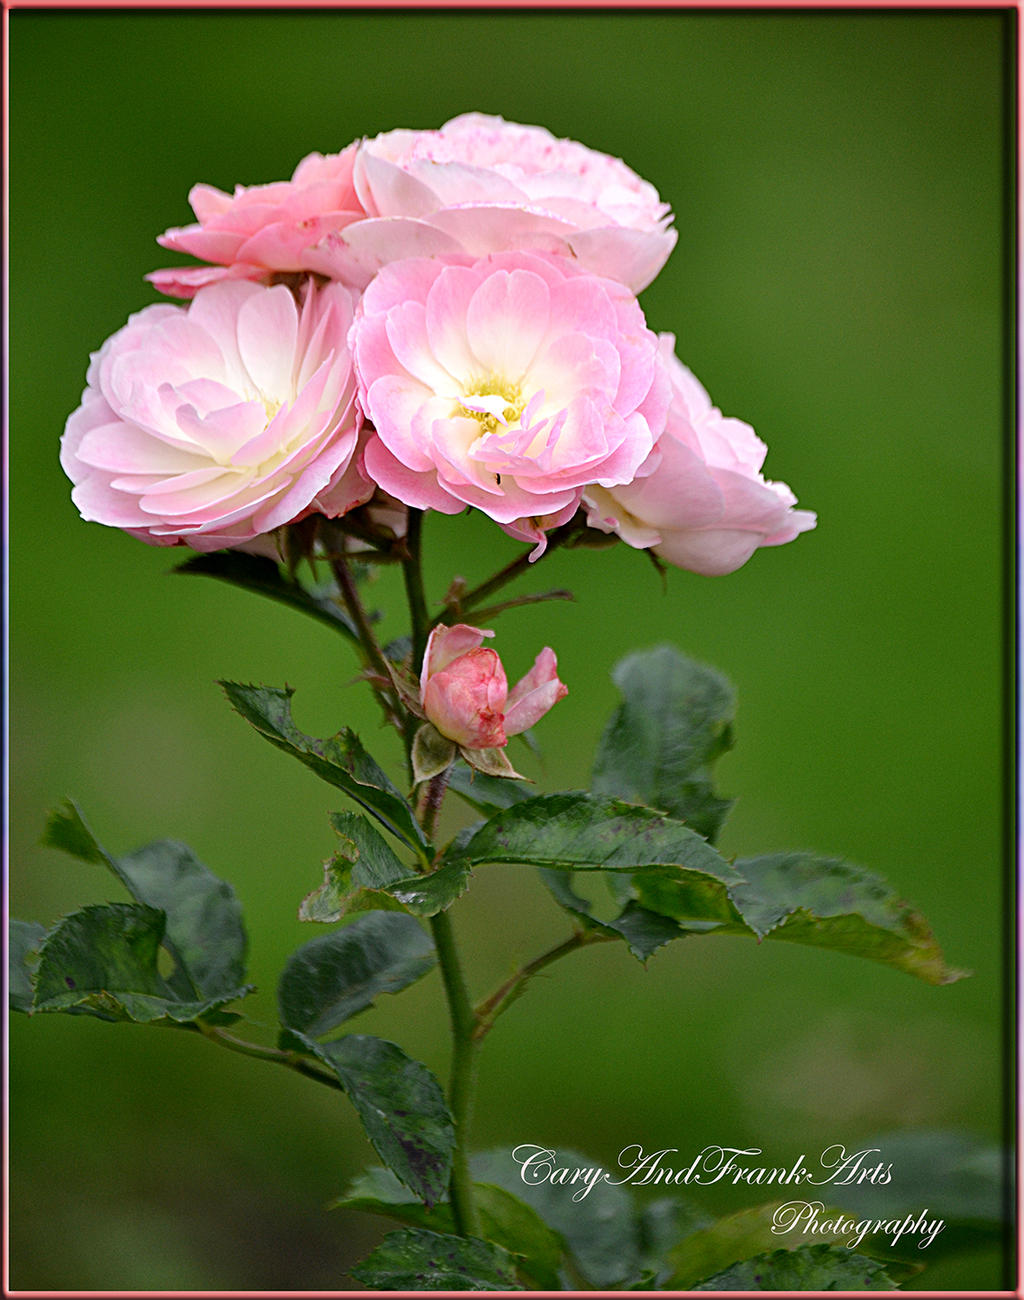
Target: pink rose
482,185
507,383
261,229
464,692
219,422
700,501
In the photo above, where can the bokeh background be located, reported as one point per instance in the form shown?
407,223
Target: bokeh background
840,182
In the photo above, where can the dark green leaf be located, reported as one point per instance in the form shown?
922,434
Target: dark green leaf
340,760
204,929
23,941
504,1219
432,893
644,932
415,1259
335,976
260,574
586,832
599,1226
103,960
674,721
401,1106
357,875
811,1268
487,794
828,903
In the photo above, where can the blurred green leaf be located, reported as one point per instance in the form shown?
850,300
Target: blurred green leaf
401,1105
103,960
644,932
260,574
414,1259
961,1178
339,760
23,941
810,1268
663,1224
357,874
336,975
204,928
600,1227
828,903
504,1219
674,721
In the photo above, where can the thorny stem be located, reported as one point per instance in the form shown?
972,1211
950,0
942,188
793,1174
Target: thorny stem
464,603
432,799
372,652
412,570
502,998
460,1009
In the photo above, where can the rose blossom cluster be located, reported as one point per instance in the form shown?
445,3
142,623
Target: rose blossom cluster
443,318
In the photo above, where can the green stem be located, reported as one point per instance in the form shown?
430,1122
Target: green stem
475,595
293,1060
412,570
463,1075
372,653
502,998
460,1009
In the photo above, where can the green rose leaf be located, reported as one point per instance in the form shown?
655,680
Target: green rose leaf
586,832
103,960
335,976
204,931
340,760
414,1259
828,903
401,1105
504,1219
674,721
487,794
23,941
357,875
810,1268
748,1234
600,1228
644,932
434,892
263,575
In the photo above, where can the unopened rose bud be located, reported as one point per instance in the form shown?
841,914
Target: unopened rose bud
464,691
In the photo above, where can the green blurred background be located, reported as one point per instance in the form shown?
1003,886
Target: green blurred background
840,183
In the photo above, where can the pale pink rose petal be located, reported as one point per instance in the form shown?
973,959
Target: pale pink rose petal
492,186
507,383
446,643
262,229
533,695
210,424
699,501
